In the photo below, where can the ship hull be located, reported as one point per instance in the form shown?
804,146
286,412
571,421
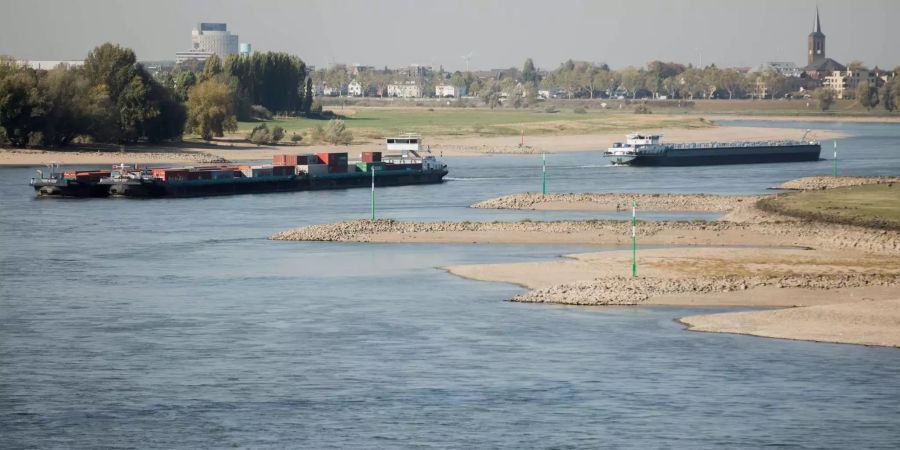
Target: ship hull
237,186
729,155
70,189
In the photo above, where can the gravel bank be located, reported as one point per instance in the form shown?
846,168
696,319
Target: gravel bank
811,234
620,202
825,182
634,291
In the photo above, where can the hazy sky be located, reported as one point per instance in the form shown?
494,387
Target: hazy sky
496,33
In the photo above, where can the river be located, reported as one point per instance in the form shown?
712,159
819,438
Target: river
174,323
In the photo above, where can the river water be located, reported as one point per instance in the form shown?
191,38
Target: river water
176,324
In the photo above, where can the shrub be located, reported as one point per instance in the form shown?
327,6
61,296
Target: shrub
551,110
316,134
277,134
260,112
316,107
260,135
337,133
579,110
295,138
642,109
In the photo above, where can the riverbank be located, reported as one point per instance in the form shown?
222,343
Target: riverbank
748,258
471,144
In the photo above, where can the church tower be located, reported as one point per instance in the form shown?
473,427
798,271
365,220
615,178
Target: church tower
816,42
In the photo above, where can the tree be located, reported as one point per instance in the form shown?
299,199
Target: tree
867,95
274,80
67,105
855,65
20,111
308,97
732,81
111,66
825,97
183,83
529,74
212,68
890,94
210,110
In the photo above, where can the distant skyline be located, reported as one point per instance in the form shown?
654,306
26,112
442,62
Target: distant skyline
498,34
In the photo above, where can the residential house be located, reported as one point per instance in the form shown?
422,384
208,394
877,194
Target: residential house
355,89
845,82
409,89
449,91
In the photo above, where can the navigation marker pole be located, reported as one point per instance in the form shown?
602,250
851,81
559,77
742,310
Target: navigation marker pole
834,171
544,173
633,239
373,192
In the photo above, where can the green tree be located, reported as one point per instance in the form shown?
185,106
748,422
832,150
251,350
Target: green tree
20,109
67,105
890,94
183,83
110,66
867,96
210,110
825,97
212,68
530,76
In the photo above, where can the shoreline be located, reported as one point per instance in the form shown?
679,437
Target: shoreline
451,146
747,258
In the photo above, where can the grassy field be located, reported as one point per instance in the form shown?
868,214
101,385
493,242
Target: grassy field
375,123
874,205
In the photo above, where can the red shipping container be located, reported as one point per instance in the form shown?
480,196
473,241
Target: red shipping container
333,159
371,157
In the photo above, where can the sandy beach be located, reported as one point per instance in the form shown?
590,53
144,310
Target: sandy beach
748,258
234,150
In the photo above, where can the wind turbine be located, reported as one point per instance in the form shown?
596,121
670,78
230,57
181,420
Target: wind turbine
467,58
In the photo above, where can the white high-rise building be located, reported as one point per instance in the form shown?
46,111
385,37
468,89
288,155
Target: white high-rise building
210,39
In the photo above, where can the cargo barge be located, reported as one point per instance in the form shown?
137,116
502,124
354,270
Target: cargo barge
287,173
647,150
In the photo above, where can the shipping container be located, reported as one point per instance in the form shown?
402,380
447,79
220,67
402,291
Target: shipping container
367,166
283,171
333,159
312,169
290,160
370,157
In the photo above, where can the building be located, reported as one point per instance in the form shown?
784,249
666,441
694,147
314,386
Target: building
192,55
787,69
409,89
818,66
355,89
449,91
245,49
47,65
209,39
845,82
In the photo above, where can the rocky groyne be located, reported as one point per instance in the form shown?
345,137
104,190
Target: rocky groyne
620,202
826,182
634,291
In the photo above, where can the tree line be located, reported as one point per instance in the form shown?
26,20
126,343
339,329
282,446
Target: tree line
114,99
579,79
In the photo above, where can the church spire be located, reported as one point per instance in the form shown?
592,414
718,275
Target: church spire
818,25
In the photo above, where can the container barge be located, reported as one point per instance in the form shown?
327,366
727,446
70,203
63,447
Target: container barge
287,173
647,150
